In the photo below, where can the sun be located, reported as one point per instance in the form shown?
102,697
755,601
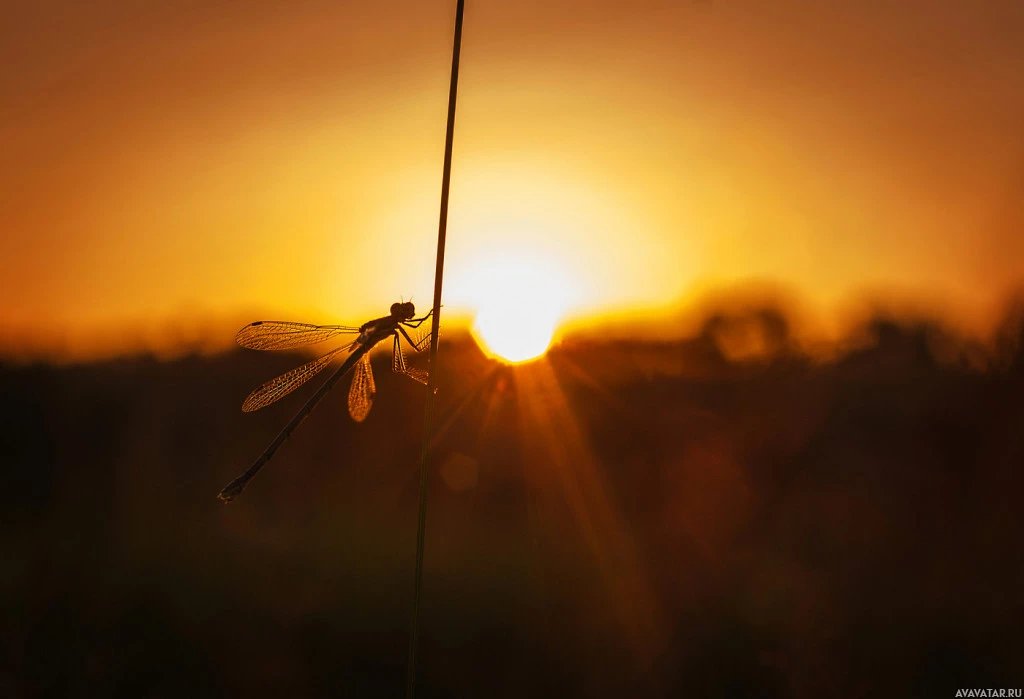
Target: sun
513,333
518,302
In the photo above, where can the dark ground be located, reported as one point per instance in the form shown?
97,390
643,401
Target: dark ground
625,520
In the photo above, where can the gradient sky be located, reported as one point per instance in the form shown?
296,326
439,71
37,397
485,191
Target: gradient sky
166,160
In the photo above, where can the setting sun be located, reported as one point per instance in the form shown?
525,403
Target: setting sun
518,301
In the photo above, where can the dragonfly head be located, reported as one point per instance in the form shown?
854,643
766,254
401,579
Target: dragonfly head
403,311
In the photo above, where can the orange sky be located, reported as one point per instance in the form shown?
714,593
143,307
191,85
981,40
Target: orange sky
222,159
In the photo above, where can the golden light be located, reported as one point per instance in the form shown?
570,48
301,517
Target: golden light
518,301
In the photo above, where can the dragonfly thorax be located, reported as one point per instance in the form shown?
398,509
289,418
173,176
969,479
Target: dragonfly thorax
373,331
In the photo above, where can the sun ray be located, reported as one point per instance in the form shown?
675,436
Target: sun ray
561,459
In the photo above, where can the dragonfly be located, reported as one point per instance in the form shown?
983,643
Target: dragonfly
282,335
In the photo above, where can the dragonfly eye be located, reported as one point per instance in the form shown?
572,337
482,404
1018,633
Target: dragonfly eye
404,311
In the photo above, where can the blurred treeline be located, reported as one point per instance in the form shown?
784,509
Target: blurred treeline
620,519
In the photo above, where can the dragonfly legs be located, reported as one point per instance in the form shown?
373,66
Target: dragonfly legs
417,345
416,322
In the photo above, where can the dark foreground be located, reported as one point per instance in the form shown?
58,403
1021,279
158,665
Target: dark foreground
622,520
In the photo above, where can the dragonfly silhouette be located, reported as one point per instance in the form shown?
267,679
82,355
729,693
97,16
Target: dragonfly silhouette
278,335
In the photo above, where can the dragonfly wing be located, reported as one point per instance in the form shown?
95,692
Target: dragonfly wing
418,375
360,395
397,358
286,383
279,334
399,366
422,339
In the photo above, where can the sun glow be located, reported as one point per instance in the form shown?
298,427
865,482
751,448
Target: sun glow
518,302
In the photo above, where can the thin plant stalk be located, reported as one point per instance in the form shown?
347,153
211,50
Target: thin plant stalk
428,413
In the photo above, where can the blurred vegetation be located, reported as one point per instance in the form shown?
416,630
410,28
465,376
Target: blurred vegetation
624,519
